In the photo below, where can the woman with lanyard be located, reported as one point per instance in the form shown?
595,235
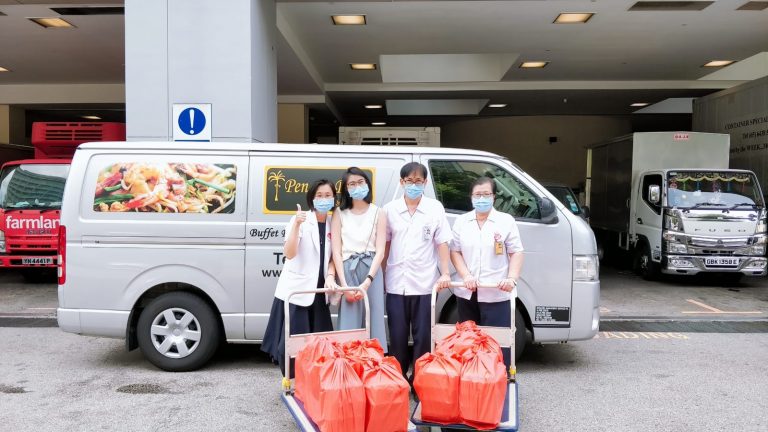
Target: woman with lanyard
359,238
307,253
486,248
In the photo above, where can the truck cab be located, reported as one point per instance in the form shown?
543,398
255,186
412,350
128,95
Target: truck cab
688,221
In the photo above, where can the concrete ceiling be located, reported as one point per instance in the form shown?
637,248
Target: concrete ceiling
600,67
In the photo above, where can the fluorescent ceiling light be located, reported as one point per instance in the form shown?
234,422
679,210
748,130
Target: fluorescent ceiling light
2,69
497,105
51,22
374,106
363,66
348,19
573,17
640,104
91,117
719,63
378,124
534,64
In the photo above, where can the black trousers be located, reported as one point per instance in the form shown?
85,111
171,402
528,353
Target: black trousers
408,315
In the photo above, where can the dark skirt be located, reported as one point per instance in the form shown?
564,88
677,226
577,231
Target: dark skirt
304,319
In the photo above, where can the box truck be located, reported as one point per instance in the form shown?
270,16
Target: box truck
670,199
31,194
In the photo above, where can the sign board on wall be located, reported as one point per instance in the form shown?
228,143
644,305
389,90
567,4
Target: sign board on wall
192,122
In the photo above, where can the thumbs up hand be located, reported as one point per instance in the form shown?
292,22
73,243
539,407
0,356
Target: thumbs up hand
301,216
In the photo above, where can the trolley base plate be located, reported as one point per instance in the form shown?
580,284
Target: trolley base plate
510,416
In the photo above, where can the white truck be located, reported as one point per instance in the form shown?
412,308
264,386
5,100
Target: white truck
670,200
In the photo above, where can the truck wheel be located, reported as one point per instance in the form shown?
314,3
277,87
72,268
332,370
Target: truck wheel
643,263
521,336
178,332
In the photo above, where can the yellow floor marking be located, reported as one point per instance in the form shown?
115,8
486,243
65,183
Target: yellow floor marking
712,310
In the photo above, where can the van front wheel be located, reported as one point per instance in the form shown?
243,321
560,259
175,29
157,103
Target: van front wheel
178,332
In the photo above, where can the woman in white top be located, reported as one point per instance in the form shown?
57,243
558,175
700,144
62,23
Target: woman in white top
307,252
486,248
359,234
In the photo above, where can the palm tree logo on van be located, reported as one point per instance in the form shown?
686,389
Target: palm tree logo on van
276,177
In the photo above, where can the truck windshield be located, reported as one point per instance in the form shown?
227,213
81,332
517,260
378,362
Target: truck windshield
720,189
32,186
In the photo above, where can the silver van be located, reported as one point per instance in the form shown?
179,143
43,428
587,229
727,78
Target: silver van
177,247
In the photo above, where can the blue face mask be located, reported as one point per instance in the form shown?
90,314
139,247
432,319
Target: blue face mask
359,192
482,205
323,205
414,191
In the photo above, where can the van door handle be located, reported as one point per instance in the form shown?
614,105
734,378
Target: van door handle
639,221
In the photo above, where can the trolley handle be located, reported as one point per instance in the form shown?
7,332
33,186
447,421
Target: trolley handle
287,312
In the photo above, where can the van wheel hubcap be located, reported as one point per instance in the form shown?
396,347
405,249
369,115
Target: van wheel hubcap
175,333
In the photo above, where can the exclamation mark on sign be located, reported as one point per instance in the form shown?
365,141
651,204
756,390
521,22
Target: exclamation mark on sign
192,121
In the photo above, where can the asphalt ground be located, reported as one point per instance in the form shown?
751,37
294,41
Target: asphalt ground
619,381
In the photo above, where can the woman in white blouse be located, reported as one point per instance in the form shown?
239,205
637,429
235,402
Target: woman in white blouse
358,234
486,248
307,251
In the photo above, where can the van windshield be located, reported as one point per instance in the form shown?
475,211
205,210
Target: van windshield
702,189
33,186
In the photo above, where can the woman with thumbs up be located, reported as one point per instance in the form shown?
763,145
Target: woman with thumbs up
307,251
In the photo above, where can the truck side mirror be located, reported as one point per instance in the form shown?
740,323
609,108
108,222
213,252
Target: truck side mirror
548,211
654,194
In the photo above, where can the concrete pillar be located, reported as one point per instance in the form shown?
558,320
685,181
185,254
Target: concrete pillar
11,125
201,51
292,123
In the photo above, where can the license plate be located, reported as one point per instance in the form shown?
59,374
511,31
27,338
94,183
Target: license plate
36,261
721,261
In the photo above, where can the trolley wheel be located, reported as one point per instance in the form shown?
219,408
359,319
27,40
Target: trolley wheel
178,332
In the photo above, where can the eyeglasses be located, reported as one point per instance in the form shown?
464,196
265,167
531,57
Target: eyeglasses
411,182
353,184
482,195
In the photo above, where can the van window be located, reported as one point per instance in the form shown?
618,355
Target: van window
453,179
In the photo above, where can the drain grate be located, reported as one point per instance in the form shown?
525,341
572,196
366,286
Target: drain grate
685,326
6,389
16,321
143,389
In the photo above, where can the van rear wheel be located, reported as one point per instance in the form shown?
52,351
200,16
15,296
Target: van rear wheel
178,332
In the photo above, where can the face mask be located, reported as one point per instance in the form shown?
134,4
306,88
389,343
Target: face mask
482,205
359,192
413,191
323,205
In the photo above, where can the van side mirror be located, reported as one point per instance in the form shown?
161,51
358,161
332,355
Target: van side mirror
654,194
585,212
548,211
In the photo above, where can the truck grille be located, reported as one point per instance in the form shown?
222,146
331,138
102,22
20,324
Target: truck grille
720,243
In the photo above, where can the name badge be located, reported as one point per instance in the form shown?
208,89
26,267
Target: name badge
499,247
427,233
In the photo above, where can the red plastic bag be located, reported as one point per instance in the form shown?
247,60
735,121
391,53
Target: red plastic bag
359,352
436,381
482,391
386,393
308,363
462,339
341,401
483,343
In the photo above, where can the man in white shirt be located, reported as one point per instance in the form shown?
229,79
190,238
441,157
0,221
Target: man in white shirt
418,257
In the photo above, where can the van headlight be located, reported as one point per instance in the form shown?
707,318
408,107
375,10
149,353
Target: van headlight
585,268
2,241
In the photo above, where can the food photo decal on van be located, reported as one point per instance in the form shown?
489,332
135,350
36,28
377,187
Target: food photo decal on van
166,187
286,186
